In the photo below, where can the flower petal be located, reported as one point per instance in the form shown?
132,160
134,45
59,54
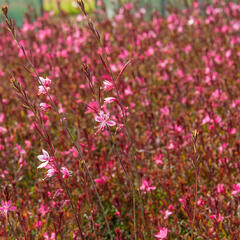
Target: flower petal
44,164
111,123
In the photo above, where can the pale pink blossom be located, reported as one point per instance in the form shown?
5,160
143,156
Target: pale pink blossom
44,106
45,158
104,121
41,90
65,172
3,130
236,188
218,218
6,207
110,99
49,237
167,214
162,234
147,185
107,85
46,82
50,171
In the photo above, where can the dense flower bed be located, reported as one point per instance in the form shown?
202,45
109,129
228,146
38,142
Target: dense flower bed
148,118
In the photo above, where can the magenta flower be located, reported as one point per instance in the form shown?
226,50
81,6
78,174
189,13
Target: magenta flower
104,121
147,186
6,207
44,159
163,232
158,159
236,188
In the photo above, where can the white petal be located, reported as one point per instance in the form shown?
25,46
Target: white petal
98,119
111,123
44,164
41,158
45,153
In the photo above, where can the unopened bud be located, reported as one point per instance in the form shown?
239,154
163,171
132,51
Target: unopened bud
5,9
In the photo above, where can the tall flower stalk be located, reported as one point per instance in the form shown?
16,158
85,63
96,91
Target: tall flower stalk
12,30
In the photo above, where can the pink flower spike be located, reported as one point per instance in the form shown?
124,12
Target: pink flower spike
107,85
162,233
6,207
44,159
110,100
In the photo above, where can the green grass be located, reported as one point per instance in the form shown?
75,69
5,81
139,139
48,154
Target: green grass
67,6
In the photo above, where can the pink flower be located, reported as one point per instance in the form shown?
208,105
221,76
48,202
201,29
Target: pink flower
50,237
107,85
167,214
41,90
104,121
45,158
46,82
218,218
43,210
7,206
163,232
236,188
101,180
220,188
65,172
44,106
110,99
158,159
147,186
3,130
50,172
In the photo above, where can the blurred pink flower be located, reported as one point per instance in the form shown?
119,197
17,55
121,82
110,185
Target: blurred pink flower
163,232
147,185
107,85
44,106
49,237
236,188
110,99
65,172
158,159
6,207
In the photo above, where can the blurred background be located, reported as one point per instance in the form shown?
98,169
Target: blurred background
17,8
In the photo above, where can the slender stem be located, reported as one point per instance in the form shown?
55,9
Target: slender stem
195,205
131,184
11,227
98,39
75,143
